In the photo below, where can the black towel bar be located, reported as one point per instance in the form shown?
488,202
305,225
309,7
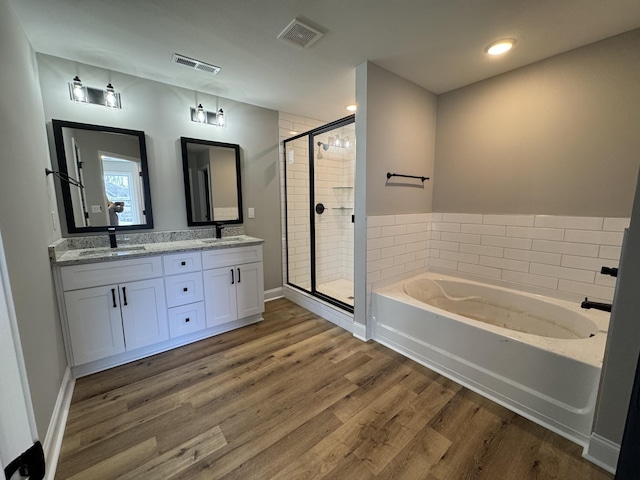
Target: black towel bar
389,175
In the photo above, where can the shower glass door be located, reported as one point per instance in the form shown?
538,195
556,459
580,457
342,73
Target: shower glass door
334,169
319,193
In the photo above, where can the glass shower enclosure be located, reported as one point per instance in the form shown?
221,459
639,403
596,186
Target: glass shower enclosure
319,195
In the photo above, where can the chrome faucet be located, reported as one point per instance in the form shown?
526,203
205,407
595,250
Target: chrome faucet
112,237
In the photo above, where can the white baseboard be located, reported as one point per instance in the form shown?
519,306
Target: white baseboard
602,452
360,331
55,432
273,294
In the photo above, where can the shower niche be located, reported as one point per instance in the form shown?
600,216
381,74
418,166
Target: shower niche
319,200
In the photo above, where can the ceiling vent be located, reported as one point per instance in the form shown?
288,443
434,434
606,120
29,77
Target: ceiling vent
300,34
197,64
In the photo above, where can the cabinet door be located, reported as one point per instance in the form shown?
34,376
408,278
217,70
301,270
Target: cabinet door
220,295
95,324
250,287
144,313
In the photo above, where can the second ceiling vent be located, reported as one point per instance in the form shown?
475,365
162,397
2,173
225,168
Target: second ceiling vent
196,64
300,34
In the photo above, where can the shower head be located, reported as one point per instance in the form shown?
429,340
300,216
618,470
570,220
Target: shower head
325,146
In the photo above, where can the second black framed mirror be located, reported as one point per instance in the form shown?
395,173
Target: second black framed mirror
212,182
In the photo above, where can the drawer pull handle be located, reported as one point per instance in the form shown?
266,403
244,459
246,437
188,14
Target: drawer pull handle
238,275
232,279
124,294
186,320
185,289
183,263
113,296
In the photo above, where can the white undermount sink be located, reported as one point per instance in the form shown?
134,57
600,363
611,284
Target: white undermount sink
219,240
110,251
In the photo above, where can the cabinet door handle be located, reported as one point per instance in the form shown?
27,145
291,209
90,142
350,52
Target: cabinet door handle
124,294
183,263
185,289
187,320
113,296
238,275
232,279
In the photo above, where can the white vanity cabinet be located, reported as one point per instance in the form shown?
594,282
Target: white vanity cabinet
233,284
113,316
121,310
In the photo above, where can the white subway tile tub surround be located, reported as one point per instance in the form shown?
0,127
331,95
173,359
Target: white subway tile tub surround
397,248
553,252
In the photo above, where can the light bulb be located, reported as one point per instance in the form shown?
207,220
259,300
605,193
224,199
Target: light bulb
200,115
338,141
78,90
110,97
346,142
220,118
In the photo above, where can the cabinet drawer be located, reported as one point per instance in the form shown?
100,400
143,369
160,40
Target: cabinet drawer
184,262
105,273
225,257
186,319
183,289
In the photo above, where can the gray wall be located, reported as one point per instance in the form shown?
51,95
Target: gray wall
558,137
162,112
400,138
623,342
27,197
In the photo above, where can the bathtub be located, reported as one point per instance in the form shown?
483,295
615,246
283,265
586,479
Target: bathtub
538,356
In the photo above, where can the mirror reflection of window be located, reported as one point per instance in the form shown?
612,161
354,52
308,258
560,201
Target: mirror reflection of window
122,185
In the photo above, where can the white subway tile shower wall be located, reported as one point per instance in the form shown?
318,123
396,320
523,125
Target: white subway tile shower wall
558,253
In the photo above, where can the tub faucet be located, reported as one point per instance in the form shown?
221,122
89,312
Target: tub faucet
605,307
112,237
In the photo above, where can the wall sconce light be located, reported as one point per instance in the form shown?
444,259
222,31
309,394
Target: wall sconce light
339,142
200,115
111,97
80,93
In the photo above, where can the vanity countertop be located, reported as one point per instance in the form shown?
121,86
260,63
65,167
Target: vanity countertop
123,251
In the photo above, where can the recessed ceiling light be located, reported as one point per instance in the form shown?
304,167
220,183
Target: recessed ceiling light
352,108
500,47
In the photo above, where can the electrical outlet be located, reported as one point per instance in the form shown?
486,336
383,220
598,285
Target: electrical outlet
96,208
252,212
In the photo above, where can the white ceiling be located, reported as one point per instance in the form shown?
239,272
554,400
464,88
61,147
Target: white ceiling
437,44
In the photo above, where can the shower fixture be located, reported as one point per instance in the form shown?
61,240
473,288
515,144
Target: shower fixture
325,147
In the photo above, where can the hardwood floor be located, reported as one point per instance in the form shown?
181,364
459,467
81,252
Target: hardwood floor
296,397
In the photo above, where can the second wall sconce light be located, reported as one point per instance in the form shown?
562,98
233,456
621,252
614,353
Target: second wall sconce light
107,97
200,115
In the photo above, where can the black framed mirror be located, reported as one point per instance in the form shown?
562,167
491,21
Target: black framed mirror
212,185
110,166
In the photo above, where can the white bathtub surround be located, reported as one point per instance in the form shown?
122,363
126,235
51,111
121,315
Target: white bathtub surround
553,255
558,253
552,381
